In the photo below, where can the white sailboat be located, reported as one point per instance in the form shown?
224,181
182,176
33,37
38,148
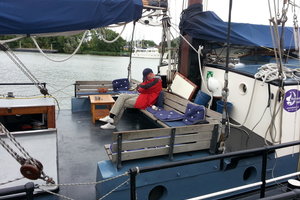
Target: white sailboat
150,52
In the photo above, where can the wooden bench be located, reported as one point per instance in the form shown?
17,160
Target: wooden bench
86,88
179,104
129,145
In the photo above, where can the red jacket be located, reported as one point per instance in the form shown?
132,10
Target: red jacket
149,92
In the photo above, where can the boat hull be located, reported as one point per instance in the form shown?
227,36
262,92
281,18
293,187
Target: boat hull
241,85
191,180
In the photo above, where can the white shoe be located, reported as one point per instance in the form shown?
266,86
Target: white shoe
108,126
107,119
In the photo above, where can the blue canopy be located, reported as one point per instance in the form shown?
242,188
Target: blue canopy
208,26
48,16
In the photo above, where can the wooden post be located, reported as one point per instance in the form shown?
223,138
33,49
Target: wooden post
192,2
51,117
184,56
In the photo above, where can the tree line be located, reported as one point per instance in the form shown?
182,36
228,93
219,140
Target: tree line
92,44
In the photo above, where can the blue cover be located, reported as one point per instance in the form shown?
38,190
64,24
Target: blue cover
120,84
48,16
208,26
153,111
194,114
165,115
170,115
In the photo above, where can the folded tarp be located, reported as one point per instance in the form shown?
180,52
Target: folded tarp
51,16
208,26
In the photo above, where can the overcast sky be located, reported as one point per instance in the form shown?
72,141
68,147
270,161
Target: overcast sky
246,11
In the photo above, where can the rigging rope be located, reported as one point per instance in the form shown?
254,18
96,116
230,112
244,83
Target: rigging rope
20,159
11,40
10,181
44,186
199,61
249,107
5,48
87,183
166,36
55,194
125,182
202,77
59,60
272,125
102,34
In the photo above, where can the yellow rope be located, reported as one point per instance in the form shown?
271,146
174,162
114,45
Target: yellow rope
37,97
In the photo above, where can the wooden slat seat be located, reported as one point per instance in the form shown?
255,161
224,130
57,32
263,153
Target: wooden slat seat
179,104
129,145
86,88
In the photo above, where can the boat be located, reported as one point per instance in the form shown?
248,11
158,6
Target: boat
150,159
150,52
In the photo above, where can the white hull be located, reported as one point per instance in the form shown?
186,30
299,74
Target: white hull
241,102
146,53
141,55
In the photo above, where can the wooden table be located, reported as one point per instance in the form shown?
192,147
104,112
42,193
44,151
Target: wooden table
100,100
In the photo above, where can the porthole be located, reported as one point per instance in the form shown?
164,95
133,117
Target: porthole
158,193
250,174
243,88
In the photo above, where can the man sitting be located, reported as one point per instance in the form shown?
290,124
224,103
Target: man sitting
149,91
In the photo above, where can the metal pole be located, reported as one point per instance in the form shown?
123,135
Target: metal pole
224,128
243,187
75,88
131,50
262,151
133,173
256,151
163,39
28,188
263,174
169,75
22,84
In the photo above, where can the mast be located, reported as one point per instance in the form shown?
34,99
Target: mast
192,2
184,56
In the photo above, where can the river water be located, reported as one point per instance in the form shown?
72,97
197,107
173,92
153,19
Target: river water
60,77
